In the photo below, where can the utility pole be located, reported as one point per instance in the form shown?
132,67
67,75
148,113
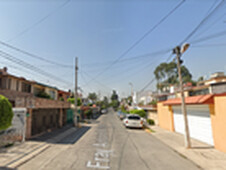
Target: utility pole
179,52
76,92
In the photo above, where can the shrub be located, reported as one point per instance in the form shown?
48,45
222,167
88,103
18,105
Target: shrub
72,101
6,113
151,122
153,102
43,94
141,113
88,113
123,109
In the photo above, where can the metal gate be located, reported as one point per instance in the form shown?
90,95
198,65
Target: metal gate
70,116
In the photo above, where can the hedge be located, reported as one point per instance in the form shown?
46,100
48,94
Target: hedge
6,113
141,113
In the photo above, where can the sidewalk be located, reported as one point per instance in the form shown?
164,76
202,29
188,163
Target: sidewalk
20,153
201,154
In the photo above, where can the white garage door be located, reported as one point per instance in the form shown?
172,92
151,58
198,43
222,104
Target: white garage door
198,120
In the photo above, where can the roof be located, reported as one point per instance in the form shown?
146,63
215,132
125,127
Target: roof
200,99
45,85
148,107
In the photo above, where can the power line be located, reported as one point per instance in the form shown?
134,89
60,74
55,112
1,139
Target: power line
40,20
140,39
96,81
202,22
209,45
30,67
153,54
212,36
192,33
148,84
33,55
152,80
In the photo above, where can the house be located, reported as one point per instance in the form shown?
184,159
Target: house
44,114
206,118
145,97
215,85
63,95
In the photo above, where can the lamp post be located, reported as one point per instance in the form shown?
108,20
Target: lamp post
179,51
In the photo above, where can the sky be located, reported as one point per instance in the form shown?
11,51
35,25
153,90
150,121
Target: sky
101,33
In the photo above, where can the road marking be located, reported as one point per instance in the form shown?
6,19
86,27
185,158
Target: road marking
97,165
101,157
100,145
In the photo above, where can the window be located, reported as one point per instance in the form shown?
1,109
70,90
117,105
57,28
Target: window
9,84
134,118
17,85
0,83
52,94
26,87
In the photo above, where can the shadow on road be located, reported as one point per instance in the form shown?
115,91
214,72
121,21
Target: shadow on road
65,135
202,147
5,168
74,137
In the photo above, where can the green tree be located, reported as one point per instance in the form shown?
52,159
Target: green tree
72,101
6,113
114,96
93,97
129,100
200,79
167,74
114,100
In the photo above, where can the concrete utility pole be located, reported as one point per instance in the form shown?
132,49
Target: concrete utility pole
178,52
76,92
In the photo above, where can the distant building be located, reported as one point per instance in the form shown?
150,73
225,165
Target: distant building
215,85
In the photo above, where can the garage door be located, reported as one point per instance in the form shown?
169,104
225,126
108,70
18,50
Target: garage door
198,120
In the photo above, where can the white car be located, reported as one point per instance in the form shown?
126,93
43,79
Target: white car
133,121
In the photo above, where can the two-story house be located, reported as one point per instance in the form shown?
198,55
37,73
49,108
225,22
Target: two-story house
45,111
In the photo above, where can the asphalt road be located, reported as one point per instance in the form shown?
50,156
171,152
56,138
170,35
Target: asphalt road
107,144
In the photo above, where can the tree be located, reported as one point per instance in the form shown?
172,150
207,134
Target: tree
72,101
129,100
6,113
167,74
114,100
200,79
114,96
104,103
92,96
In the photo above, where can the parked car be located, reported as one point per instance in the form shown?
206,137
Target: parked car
133,121
103,111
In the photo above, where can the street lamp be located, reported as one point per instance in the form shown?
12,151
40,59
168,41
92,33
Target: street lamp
179,51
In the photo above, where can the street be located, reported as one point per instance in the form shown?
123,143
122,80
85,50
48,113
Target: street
107,144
